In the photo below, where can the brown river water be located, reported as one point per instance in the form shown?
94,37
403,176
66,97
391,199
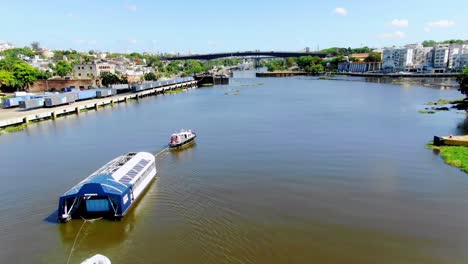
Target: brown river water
284,170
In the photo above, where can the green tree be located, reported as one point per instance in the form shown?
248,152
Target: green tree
453,41
314,69
9,63
353,59
462,79
63,68
194,67
307,61
25,74
429,43
150,76
361,50
276,65
374,57
7,78
110,78
17,51
290,62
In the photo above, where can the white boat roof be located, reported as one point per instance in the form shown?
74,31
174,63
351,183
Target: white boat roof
182,132
124,168
118,174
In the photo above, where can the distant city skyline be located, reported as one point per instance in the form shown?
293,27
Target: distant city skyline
208,26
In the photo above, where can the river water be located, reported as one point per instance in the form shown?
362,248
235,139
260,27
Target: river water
284,170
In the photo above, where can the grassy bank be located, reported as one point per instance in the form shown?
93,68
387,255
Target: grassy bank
11,129
175,91
456,156
445,105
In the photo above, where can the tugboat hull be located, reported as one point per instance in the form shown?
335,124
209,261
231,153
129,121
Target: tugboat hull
183,143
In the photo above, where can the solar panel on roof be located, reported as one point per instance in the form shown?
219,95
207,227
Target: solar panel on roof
134,171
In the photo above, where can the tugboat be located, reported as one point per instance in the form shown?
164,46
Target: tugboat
182,138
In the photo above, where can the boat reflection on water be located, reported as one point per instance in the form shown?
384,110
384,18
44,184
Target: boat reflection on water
183,152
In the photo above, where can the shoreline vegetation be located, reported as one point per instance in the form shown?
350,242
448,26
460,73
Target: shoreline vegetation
445,105
456,156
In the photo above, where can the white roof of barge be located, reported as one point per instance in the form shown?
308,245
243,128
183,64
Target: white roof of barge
118,174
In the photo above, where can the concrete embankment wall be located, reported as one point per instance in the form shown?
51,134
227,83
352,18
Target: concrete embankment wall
44,86
397,75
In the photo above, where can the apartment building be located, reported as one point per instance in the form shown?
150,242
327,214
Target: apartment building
441,57
397,59
455,51
93,69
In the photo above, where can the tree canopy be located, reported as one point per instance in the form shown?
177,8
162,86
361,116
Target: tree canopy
150,76
17,74
63,68
276,65
337,51
374,57
17,51
111,78
431,43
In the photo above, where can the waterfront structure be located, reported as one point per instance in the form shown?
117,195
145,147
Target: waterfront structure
441,57
460,61
359,66
396,59
456,55
417,58
111,190
422,58
93,69
359,56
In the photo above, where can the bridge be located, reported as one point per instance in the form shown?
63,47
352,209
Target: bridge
257,54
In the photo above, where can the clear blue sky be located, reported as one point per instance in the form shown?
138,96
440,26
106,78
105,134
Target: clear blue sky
208,26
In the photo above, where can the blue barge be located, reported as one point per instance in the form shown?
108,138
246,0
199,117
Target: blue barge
110,191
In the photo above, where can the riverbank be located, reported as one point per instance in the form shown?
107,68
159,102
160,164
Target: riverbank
358,74
397,75
456,156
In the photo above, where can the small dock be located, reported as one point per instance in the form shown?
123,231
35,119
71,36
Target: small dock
207,79
15,116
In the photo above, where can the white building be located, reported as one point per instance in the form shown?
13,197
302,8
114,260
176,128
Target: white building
91,70
455,50
441,57
41,64
397,59
460,61
101,55
5,46
423,58
47,53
